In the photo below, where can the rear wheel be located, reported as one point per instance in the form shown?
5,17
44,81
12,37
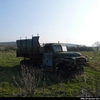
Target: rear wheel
22,63
26,63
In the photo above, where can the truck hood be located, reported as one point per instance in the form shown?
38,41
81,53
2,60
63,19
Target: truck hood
68,54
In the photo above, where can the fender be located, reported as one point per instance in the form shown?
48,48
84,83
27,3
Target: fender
67,62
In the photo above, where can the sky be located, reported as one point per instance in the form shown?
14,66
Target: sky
66,21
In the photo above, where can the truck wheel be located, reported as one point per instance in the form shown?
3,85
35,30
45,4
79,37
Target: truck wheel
25,63
60,72
63,72
81,70
22,63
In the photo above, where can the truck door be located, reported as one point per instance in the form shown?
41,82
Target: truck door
48,59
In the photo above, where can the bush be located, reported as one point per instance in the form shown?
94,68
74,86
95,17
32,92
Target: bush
28,81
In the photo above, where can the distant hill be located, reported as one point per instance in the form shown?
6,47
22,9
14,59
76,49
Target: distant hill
14,44
8,43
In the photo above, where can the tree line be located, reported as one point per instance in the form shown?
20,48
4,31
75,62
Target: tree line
95,47
80,48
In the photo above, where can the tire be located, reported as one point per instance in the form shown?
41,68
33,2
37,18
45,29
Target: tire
22,63
63,71
81,71
26,63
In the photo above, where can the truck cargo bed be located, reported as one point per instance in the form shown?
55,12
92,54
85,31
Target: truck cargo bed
29,47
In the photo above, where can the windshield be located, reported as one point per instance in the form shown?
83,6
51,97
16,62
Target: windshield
57,48
64,48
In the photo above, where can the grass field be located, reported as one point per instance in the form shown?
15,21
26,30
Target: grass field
86,84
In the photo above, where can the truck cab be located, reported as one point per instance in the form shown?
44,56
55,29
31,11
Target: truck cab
57,56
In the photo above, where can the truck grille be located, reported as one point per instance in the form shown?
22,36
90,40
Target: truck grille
80,61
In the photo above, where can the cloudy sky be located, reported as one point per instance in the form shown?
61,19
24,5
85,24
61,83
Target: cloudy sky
67,21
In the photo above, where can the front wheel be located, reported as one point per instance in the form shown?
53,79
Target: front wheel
63,71
80,71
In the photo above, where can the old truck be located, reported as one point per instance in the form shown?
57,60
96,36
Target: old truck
49,56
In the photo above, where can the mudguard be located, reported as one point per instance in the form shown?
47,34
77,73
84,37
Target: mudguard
67,62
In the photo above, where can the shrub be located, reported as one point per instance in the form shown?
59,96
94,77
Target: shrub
28,81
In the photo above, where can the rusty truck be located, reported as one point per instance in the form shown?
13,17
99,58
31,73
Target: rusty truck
50,56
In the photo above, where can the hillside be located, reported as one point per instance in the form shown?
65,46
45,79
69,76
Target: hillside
14,44
8,43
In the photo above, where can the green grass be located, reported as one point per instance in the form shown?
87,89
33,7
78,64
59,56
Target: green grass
72,87
9,59
9,67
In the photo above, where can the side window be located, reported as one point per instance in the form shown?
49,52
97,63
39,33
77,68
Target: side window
64,48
